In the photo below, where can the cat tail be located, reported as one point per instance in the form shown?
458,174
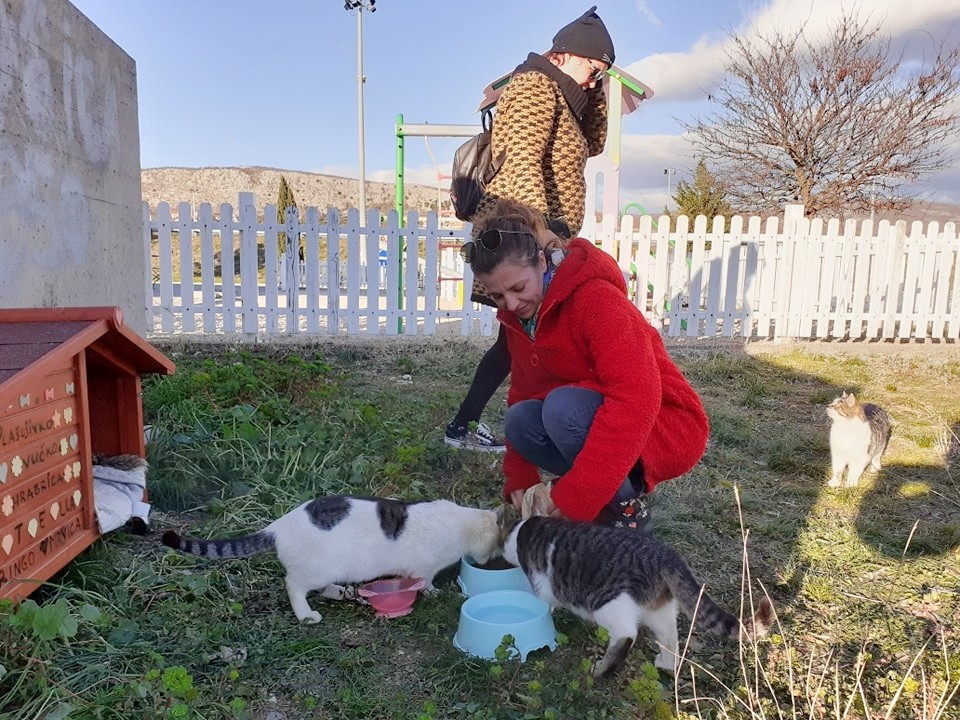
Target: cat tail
709,616
258,542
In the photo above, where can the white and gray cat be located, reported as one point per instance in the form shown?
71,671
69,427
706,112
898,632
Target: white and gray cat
339,540
859,436
620,580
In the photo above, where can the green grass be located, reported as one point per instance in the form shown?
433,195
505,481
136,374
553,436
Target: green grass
866,581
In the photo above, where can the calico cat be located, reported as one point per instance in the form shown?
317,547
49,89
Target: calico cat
619,580
859,436
347,539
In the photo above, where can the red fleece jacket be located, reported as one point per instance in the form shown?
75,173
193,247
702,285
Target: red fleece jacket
590,335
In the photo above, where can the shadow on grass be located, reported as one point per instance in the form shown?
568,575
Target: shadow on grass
913,511
769,440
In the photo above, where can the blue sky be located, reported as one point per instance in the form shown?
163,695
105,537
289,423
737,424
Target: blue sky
244,82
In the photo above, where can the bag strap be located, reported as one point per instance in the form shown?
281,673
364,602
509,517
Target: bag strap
486,120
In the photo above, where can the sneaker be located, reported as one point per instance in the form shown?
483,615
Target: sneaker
478,438
632,514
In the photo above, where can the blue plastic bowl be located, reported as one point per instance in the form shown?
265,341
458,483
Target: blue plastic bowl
486,618
474,580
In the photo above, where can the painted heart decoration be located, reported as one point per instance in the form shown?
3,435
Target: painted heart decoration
7,543
76,497
3,472
55,510
73,441
32,527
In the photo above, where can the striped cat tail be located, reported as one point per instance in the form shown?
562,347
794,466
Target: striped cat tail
709,616
713,618
233,548
762,620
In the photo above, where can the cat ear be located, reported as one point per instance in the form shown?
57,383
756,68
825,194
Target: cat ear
851,399
506,516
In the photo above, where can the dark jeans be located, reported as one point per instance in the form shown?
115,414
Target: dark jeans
550,433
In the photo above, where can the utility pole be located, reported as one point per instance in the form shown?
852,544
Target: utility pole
360,6
669,172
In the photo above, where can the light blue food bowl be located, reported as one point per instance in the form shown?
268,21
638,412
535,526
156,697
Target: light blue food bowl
474,580
487,617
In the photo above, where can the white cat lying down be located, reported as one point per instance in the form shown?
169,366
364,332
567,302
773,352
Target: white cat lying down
332,541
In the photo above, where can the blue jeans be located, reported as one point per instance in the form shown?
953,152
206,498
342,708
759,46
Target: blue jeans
550,433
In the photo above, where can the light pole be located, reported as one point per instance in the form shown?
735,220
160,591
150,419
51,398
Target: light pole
360,6
669,172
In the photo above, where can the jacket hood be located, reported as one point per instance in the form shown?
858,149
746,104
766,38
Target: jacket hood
583,263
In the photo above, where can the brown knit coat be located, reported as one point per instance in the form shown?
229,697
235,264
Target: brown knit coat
546,151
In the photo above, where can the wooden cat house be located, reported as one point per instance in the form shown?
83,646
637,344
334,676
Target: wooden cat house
69,388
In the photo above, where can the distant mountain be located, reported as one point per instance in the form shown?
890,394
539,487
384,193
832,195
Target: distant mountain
925,212
217,185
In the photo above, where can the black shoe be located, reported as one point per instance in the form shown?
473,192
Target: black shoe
478,439
632,514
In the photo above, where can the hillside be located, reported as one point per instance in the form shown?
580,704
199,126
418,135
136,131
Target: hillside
217,185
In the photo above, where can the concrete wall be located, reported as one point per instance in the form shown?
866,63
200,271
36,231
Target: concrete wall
71,228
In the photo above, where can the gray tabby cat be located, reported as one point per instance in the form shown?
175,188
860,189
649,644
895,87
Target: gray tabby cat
620,580
342,539
859,436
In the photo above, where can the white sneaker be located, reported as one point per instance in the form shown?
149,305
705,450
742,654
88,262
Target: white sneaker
478,439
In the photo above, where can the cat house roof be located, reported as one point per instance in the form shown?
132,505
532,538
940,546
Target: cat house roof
35,341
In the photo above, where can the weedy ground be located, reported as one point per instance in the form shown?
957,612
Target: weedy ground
866,581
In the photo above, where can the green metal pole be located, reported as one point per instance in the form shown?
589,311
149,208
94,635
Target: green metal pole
399,184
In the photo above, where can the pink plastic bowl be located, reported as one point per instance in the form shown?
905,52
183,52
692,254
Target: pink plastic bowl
391,597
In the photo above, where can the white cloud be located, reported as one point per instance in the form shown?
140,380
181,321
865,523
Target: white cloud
691,74
642,176
682,81
645,10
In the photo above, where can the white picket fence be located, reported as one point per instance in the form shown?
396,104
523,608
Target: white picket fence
750,278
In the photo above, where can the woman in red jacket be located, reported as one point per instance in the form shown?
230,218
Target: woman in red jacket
594,397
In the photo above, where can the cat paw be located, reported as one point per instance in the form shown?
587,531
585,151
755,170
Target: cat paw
665,661
339,592
311,618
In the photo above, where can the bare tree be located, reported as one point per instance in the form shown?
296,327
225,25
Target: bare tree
839,124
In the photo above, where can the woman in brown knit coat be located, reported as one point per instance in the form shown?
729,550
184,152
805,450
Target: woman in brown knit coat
550,118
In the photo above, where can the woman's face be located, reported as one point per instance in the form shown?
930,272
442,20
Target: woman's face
584,71
516,288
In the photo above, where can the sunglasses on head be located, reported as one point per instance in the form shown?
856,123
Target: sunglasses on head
488,241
